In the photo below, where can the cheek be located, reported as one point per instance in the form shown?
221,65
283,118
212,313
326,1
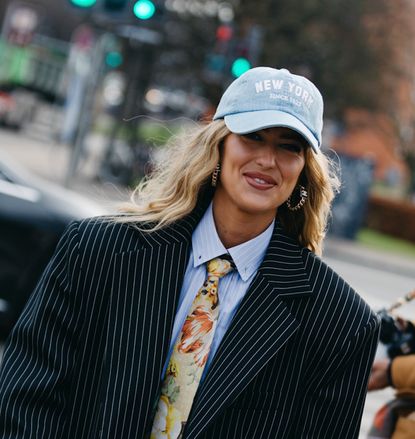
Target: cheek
294,169
234,159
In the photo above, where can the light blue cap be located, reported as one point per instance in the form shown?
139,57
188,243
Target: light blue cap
264,97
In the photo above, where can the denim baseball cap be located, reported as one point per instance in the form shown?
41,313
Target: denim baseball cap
264,97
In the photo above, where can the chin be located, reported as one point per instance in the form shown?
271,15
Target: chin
258,208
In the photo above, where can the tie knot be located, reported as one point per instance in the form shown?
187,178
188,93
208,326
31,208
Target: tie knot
220,266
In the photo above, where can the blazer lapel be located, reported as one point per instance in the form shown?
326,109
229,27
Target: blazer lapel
260,328
142,307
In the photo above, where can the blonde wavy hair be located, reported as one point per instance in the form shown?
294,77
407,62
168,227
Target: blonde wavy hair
171,191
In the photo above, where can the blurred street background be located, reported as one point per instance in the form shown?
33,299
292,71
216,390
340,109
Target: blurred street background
90,91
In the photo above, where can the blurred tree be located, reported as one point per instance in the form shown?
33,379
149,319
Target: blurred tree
326,40
392,33
182,58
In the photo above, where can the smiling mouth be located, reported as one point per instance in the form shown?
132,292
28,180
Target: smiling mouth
259,180
259,183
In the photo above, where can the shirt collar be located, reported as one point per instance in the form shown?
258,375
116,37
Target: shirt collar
247,256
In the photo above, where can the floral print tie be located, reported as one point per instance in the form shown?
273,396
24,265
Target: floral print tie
189,356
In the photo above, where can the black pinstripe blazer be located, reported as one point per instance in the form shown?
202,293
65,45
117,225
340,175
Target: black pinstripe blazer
86,357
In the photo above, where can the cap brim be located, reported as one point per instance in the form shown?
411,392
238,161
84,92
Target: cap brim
247,122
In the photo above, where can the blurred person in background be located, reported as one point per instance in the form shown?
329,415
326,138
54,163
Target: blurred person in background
396,419
204,311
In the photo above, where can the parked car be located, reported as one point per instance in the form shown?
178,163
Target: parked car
33,215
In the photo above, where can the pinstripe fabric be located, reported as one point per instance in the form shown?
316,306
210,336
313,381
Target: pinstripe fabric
86,356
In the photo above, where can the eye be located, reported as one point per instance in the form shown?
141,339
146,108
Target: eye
295,148
255,136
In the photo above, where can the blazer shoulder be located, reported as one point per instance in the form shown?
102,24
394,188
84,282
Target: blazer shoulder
104,231
331,289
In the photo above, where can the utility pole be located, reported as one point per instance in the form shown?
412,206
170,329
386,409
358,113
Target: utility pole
94,79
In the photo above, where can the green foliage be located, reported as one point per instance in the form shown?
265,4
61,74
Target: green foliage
150,132
380,241
157,133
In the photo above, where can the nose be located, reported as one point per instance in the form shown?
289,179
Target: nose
267,156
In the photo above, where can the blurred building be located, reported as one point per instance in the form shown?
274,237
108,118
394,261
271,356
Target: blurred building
370,136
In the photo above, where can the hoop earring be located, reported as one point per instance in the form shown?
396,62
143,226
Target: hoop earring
301,202
215,175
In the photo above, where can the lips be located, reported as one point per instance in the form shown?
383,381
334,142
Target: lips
259,181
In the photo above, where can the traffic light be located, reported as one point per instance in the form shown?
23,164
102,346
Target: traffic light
83,3
224,34
113,48
113,59
240,66
144,9
215,63
218,60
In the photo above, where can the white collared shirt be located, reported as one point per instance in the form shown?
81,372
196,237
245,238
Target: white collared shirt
206,245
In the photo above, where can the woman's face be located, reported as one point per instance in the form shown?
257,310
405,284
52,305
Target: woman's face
259,171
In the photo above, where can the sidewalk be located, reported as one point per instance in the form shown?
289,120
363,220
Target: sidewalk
353,252
50,160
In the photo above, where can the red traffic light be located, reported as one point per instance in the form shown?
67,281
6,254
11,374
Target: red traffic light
224,33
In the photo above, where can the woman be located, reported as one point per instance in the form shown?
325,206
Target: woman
204,312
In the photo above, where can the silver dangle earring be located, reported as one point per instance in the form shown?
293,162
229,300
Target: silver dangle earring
215,175
301,202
